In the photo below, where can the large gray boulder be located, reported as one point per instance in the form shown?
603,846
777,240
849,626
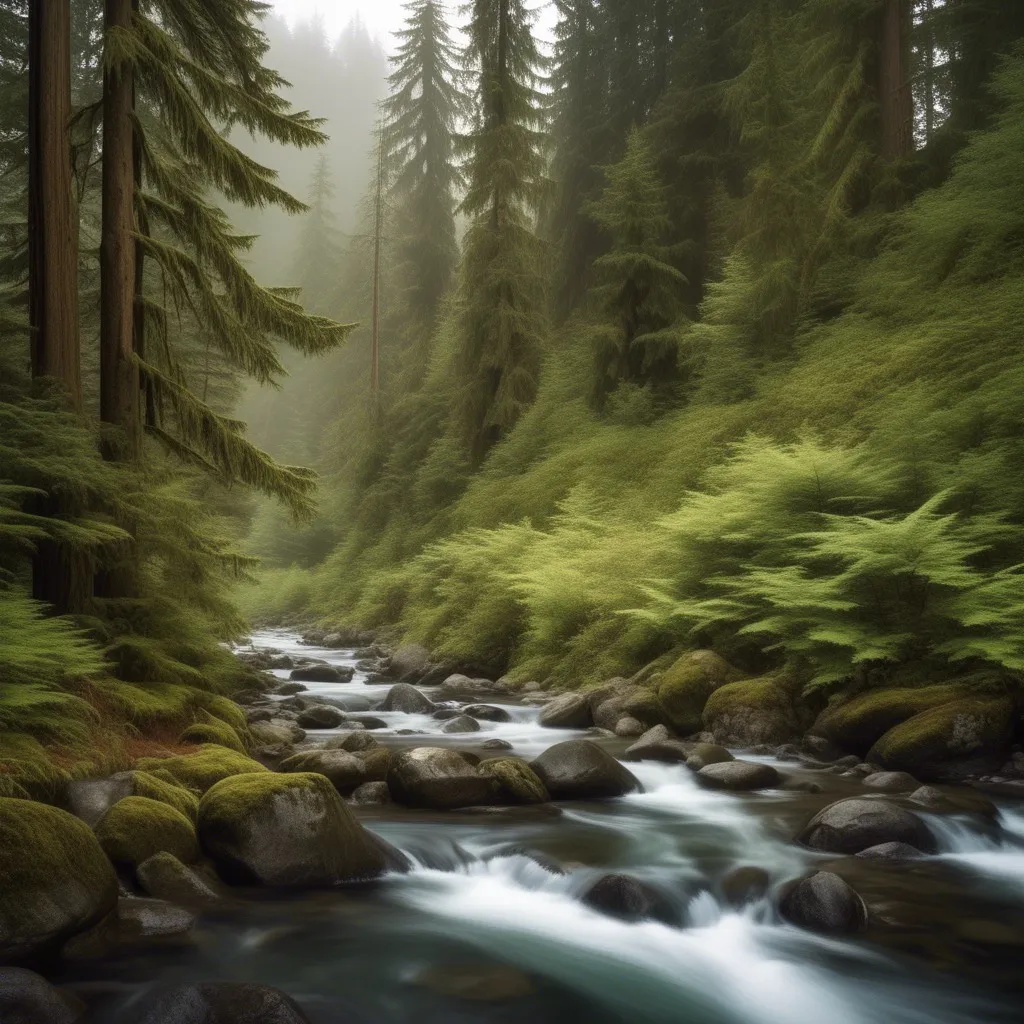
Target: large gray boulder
287,831
438,778
849,826
320,716
410,661
824,903
570,711
406,698
737,776
28,998
55,879
487,713
461,724
581,770
220,1002
346,771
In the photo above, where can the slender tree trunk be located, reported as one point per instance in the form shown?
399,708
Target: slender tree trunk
60,577
895,93
119,378
378,219
53,220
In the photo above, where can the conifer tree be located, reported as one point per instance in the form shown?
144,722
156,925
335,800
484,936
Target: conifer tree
639,294
501,321
895,94
191,68
319,252
421,118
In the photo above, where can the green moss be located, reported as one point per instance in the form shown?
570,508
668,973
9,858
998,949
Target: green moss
226,711
959,728
53,870
686,685
207,766
26,770
213,731
136,828
230,800
167,790
754,711
517,782
858,723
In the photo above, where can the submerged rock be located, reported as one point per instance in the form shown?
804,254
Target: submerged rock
628,899
824,903
438,778
484,983
220,1002
581,770
55,879
737,776
28,998
849,826
569,711
745,884
286,831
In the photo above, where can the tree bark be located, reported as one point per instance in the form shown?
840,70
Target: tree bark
119,377
53,220
894,87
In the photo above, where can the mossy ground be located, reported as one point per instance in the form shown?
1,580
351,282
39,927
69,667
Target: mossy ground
136,828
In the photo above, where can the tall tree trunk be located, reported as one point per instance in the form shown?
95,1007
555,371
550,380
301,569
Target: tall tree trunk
53,221
894,87
119,378
377,227
60,577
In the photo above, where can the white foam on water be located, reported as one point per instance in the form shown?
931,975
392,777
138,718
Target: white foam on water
998,857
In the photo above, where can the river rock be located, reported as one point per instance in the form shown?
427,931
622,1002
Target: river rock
956,801
820,748
703,754
517,782
322,674
372,793
824,903
629,728
220,1002
437,778
461,724
164,877
344,769
745,884
581,770
738,776
406,698
286,831
136,828
627,701
753,711
28,998
896,852
410,661
496,744
628,899
369,722
658,744
353,742
320,716
569,711
891,782
151,919
446,714
55,879
290,688
276,734
487,713
849,826
685,686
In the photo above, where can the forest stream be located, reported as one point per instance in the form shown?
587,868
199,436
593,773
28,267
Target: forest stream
487,925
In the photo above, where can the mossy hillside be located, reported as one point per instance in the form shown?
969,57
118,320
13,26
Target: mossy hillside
54,876
857,723
685,686
207,766
517,782
954,730
136,828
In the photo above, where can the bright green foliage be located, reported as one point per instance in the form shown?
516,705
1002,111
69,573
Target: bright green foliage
501,325
639,294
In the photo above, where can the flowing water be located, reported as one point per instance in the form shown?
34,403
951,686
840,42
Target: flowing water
494,899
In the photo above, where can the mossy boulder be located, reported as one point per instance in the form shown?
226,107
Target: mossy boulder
207,766
55,879
287,831
857,724
752,712
136,828
943,742
517,782
171,793
90,799
686,685
213,731
438,778
226,710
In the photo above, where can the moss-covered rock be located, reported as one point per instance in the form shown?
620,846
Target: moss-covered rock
167,792
753,711
686,685
288,831
517,782
932,743
226,711
437,777
206,767
136,828
213,731
55,880
856,724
